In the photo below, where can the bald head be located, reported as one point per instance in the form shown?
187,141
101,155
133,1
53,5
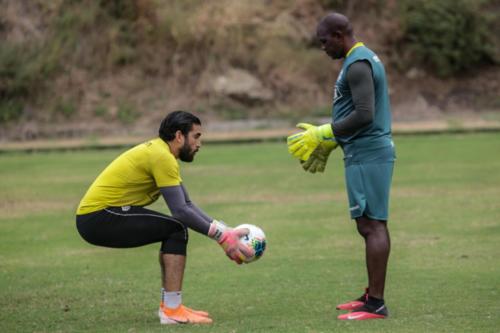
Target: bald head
335,34
336,23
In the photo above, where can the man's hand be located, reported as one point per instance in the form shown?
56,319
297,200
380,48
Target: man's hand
319,157
229,240
302,145
317,161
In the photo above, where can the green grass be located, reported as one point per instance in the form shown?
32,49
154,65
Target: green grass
444,272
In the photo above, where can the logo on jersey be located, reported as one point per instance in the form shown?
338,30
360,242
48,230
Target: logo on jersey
336,94
375,58
336,90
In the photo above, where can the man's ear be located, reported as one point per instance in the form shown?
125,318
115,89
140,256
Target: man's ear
179,136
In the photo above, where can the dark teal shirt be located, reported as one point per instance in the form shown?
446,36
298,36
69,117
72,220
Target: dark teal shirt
377,133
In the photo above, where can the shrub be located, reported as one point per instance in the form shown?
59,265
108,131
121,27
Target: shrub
126,114
447,36
100,111
23,71
10,109
65,107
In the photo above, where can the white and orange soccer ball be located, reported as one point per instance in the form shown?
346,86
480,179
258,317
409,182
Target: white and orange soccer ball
256,239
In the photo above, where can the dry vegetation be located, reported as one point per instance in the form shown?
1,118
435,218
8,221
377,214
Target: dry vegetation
79,68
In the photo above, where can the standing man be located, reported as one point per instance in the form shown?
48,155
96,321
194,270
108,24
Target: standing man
112,212
362,127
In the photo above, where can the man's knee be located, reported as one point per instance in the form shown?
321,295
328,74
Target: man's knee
367,227
177,241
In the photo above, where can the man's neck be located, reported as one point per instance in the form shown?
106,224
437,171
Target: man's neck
173,150
351,41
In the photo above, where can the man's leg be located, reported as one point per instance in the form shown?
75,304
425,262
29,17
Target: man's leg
125,227
172,271
368,187
173,262
377,248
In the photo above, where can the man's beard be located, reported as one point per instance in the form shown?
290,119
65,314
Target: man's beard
185,154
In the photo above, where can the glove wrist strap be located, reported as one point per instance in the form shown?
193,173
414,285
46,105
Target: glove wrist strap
326,131
216,230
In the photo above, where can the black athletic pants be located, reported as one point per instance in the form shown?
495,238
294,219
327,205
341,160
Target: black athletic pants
133,226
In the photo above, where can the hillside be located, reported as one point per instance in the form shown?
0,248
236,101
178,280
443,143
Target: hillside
109,68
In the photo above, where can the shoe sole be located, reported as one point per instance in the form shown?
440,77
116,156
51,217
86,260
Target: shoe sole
168,321
360,316
196,312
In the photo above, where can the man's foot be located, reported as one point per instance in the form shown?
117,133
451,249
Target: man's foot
354,304
183,315
196,312
366,311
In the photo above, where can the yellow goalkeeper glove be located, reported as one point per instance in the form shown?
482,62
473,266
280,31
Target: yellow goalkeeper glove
302,145
317,161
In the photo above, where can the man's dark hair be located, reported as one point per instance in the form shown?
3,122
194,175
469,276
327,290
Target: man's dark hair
177,121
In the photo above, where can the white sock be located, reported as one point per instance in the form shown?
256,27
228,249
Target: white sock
171,299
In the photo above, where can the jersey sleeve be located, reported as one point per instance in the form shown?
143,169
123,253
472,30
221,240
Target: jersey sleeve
360,81
183,210
165,171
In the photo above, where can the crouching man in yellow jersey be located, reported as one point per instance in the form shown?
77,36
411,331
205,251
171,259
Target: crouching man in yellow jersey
112,212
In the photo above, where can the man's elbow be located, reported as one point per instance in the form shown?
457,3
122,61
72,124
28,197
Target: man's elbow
365,118
182,214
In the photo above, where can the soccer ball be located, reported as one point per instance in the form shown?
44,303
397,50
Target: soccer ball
256,239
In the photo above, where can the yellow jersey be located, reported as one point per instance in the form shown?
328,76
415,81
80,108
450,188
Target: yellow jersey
133,178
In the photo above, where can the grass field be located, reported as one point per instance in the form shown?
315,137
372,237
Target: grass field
444,270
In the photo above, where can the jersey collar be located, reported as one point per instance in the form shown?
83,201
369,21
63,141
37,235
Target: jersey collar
358,44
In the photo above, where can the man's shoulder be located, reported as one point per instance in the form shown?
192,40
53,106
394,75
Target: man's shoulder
159,152
358,67
147,152
155,143
361,53
152,146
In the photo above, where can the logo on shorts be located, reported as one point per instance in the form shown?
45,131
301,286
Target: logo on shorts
125,208
354,208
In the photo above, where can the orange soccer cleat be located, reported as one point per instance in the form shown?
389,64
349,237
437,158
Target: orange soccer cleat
183,315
